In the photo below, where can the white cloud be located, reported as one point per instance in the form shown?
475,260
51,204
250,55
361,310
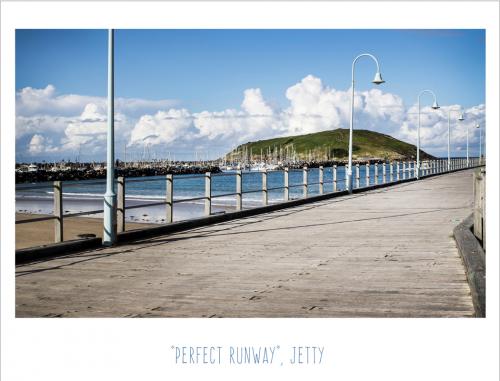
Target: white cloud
73,123
40,144
31,102
162,128
434,128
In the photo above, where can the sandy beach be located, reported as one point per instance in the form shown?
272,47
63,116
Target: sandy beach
42,233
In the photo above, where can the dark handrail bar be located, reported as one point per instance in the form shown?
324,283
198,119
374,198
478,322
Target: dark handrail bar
36,219
189,199
224,194
145,205
83,213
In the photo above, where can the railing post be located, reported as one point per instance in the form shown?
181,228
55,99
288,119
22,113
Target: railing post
384,173
169,198
397,170
264,187
334,178
367,174
239,188
391,172
357,175
320,179
286,184
58,212
120,204
375,168
414,169
404,170
208,194
304,186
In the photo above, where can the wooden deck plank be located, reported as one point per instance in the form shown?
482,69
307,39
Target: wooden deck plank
388,252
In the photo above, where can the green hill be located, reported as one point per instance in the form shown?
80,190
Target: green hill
330,145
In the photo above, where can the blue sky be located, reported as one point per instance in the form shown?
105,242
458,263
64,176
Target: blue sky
209,70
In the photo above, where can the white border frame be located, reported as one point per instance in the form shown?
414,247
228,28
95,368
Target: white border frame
356,349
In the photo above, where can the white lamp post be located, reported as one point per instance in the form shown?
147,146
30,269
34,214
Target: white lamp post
377,80
435,106
109,234
467,162
480,141
460,118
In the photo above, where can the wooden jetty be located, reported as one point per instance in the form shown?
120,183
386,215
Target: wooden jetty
384,253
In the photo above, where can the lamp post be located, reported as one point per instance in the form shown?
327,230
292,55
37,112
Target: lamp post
480,141
460,118
377,80
435,106
109,234
467,162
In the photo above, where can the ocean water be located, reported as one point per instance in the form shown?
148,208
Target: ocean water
88,195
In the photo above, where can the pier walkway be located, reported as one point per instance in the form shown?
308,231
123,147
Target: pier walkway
387,252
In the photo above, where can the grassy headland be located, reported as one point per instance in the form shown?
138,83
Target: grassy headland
332,145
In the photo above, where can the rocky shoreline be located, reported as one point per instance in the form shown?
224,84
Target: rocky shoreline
42,175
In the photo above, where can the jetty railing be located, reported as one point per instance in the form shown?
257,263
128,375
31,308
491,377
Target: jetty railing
377,173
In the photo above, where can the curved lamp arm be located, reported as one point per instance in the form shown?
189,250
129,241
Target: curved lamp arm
378,77
435,105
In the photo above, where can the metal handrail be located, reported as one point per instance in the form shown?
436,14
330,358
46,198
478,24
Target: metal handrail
97,181
138,206
224,195
37,219
222,174
179,200
33,186
251,191
83,213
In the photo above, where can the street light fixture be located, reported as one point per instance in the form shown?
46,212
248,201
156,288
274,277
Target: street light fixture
460,118
435,106
109,234
377,81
